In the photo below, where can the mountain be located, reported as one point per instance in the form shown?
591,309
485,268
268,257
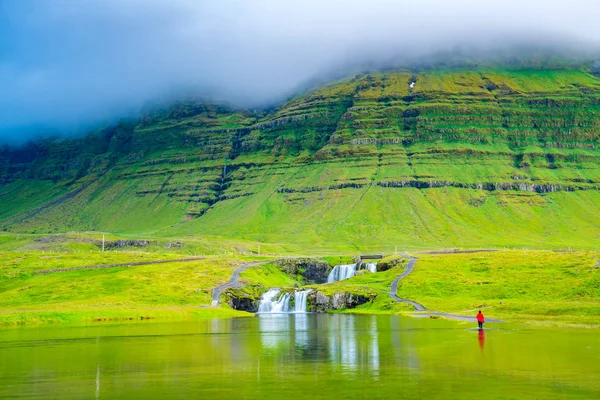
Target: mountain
455,157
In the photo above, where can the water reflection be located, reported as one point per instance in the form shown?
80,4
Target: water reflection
350,345
299,356
481,338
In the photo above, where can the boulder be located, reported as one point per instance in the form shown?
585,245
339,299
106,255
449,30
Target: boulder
319,302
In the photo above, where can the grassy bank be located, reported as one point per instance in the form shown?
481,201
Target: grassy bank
172,290
536,287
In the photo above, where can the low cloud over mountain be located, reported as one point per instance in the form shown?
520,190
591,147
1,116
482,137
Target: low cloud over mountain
67,65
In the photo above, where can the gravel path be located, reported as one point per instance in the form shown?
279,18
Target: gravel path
419,307
233,282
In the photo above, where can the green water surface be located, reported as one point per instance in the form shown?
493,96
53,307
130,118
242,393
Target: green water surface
300,356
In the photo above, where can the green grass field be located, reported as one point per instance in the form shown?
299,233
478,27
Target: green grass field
165,291
533,287
529,286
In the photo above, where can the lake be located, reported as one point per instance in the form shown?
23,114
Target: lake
309,356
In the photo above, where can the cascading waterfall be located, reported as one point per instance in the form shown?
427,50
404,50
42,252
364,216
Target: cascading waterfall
371,267
300,300
282,304
266,301
341,272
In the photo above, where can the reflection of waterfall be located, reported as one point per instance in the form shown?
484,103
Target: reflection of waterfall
342,341
301,335
270,303
275,330
354,347
285,330
341,272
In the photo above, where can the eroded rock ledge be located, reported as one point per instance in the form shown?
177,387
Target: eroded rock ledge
243,300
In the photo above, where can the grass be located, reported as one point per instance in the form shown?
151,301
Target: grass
357,165
539,287
369,284
485,157
533,287
163,291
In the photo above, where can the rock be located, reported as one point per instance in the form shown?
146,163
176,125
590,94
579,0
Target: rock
312,270
243,304
318,302
386,264
123,243
243,301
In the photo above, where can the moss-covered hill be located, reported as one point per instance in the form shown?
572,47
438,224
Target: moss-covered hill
437,158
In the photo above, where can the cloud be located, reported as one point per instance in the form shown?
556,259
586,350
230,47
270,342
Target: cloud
67,65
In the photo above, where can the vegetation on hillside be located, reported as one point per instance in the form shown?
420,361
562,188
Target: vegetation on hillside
438,158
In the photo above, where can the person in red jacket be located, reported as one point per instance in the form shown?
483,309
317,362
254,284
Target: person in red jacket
480,319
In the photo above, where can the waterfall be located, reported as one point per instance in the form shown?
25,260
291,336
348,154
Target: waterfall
341,272
300,300
266,299
282,304
371,267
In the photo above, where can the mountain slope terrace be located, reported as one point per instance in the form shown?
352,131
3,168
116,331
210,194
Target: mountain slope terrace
431,159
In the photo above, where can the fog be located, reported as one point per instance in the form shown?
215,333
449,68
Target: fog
68,65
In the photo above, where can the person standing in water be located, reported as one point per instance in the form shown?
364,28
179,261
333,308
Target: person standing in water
480,319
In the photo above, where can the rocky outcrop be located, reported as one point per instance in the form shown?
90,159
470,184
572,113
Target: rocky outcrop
312,271
487,186
116,244
319,302
246,299
388,263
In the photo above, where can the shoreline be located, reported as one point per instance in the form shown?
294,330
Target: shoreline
106,317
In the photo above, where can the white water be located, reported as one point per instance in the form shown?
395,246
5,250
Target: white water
341,272
282,304
300,300
266,304
371,267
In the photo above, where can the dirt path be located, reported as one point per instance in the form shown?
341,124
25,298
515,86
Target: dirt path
233,282
102,266
394,287
419,307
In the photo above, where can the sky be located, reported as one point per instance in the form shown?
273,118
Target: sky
66,65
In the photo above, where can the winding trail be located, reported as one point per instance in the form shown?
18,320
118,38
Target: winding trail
419,307
233,282
129,264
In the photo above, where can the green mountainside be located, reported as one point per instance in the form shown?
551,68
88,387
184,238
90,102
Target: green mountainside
439,158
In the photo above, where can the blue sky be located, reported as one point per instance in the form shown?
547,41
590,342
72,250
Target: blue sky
69,65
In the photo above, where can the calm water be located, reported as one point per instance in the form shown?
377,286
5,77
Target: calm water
299,356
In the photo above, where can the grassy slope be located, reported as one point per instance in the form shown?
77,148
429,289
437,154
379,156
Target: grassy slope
171,290
329,169
560,287
363,164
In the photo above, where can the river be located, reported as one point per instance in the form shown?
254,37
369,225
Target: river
311,356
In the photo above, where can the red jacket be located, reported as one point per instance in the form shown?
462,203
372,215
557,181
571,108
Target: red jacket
480,318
